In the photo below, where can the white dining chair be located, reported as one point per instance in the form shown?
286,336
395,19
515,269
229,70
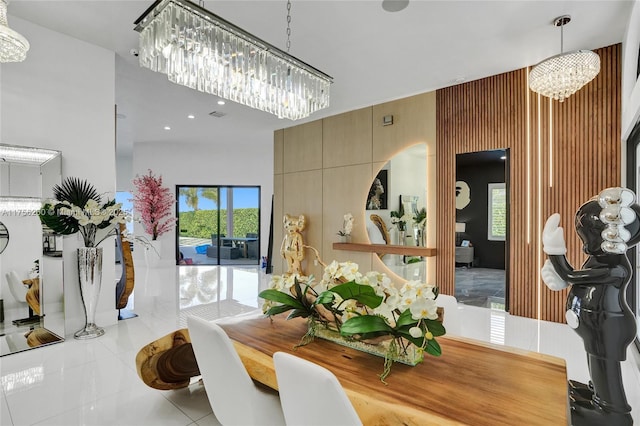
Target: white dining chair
451,321
301,381
233,396
19,292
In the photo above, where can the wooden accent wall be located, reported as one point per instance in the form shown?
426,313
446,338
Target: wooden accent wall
560,155
324,169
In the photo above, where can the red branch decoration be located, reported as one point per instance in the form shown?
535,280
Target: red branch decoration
154,205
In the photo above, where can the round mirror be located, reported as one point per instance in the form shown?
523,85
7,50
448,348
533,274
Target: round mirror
396,199
4,237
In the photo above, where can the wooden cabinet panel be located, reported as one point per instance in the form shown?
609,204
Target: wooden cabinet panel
414,121
303,195
346,138
345,191
303,147
278,151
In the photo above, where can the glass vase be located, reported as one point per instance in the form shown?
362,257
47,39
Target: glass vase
90,279
424,234
401,237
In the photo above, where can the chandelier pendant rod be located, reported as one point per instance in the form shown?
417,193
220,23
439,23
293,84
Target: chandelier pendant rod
561,21
561,39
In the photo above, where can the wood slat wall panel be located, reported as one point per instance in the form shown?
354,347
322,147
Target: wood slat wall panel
583,136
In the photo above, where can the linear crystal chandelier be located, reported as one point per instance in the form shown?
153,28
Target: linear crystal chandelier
560,76
200,50
13,46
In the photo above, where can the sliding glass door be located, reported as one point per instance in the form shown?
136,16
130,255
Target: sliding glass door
218,225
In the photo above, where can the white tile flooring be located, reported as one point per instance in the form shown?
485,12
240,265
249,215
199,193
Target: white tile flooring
95,382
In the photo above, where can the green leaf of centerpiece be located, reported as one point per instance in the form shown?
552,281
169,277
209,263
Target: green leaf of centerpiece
275,310
365,325
405,319
364,294
433,347
298,313
435,327
280,297
326,297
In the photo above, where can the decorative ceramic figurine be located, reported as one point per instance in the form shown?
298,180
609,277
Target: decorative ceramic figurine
596,305
292,249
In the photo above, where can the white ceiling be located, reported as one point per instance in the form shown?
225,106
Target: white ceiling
373,55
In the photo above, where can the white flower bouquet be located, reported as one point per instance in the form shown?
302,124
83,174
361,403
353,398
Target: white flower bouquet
361,307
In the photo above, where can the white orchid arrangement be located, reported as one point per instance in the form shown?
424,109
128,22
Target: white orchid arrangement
77,207
400,219
347,225
361,307
94,216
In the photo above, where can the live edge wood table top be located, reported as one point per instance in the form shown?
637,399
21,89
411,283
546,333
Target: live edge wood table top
472,383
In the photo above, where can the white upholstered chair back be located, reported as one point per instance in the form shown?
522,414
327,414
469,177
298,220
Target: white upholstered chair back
234,398
452,321
16,287
301,381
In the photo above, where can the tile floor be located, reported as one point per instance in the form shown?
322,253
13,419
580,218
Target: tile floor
95,383
483,287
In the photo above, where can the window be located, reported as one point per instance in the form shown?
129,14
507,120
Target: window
497,212
125,198
218,225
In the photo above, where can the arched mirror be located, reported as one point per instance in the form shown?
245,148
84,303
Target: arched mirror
4,237
31,273
395,210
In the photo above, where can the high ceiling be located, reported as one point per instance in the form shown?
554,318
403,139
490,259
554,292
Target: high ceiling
373,55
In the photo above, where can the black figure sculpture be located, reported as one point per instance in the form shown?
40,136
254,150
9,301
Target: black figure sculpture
596,305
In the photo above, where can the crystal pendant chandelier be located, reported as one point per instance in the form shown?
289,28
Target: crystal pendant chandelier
200,50
560,76
13,46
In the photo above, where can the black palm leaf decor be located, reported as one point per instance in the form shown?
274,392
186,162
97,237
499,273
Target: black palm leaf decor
76,191
78,207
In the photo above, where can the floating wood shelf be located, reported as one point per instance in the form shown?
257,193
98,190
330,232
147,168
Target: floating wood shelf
386,249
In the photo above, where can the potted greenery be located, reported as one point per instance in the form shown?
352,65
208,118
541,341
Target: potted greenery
78,208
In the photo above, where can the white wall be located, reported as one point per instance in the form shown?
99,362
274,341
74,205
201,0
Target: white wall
124,168
233,162
630,84
62,97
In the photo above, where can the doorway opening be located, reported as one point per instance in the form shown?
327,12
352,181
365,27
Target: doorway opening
218,225
633,183
482,226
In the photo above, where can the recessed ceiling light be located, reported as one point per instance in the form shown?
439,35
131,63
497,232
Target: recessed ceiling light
167,128
504,157
191,116
394,5
221,102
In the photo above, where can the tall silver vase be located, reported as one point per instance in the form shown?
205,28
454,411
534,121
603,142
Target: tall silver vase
90,275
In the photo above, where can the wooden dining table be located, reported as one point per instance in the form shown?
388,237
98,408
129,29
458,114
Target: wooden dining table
472,382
